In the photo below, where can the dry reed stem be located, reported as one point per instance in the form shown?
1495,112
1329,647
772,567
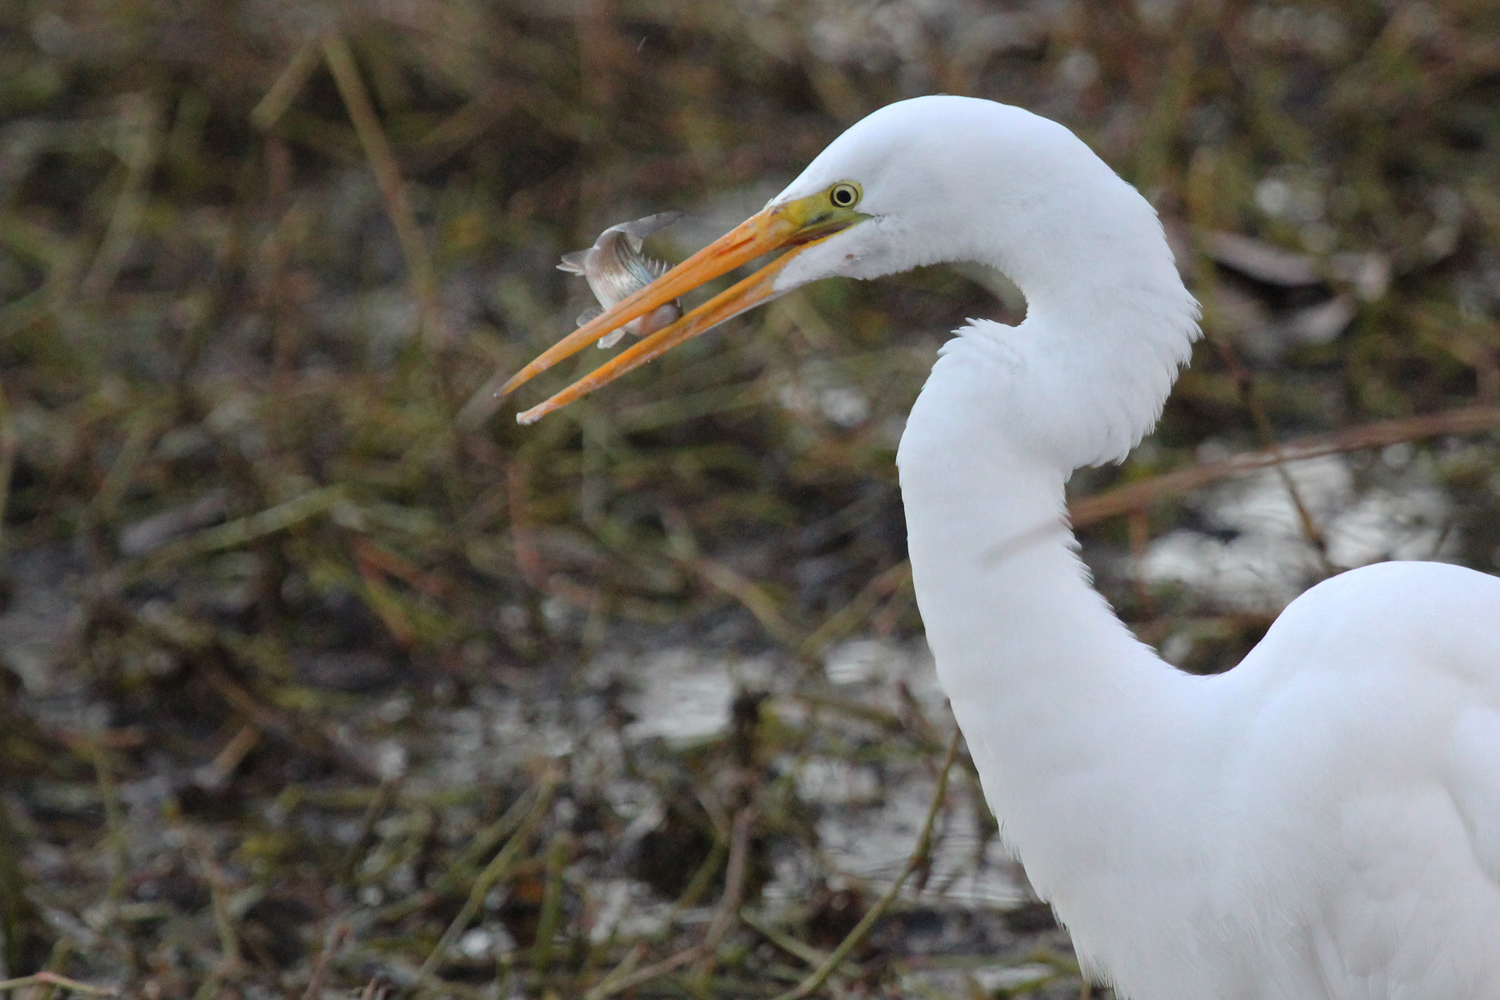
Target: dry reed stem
242,531
485,841
140,125
224,923
218,771
718,926
559,852
286,723
115,837
9,443
750,594
365,838
918,857
735,871
55,980
393,189
289,83
812,956
497,869
336,937
884,584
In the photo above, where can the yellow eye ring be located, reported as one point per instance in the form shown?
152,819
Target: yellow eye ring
844,194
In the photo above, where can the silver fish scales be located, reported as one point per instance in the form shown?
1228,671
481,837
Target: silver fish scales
615,268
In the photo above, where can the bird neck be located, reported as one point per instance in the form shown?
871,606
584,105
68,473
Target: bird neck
1069,718
1081,734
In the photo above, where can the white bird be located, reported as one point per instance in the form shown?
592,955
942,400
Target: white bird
1321,821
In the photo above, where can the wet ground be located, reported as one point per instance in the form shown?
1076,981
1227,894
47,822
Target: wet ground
644,757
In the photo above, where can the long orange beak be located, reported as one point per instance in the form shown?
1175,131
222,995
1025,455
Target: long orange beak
797,224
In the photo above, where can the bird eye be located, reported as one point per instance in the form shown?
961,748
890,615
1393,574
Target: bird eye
844,195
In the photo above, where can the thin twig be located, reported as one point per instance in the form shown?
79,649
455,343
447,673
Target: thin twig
485,841
701,879
61,952
919,857
1138,528
750,594
286,723
734,888
217,772
1465,420
336,937
242,531
1204,198
792,946
683,549
209,988
1246,385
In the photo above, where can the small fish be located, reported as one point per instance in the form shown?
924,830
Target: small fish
616,268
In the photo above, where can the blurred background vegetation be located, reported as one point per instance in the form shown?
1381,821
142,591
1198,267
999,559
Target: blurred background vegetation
319,672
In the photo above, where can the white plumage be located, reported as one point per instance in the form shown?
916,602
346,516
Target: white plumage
1323,820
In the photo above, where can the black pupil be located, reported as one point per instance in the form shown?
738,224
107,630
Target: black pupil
842,196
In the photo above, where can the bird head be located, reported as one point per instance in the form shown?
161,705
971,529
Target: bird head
922,181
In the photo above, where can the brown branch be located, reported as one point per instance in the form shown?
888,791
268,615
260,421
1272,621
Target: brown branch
1466,420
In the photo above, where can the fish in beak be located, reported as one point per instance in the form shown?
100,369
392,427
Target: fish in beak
793,226
615,268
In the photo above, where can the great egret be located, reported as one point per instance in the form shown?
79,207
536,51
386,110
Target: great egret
1322,821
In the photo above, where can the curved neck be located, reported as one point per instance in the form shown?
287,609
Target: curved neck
1081,733
1074,724
1009,611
